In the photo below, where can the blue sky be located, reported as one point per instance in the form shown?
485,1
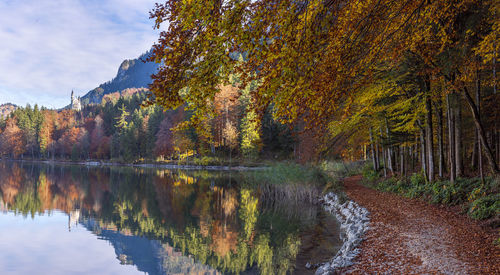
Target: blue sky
49,47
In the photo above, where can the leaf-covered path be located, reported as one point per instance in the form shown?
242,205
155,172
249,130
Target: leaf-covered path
409,236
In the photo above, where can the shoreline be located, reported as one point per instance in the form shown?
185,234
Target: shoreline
354,223
144,165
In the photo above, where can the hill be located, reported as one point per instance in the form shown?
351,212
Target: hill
132,73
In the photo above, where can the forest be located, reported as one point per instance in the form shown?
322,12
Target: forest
411,85
122,129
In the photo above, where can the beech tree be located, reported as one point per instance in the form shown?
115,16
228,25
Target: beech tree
313,60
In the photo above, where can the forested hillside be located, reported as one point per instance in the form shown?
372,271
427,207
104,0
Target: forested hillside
133,73
120,128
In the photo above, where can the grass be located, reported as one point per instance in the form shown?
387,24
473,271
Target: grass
295,182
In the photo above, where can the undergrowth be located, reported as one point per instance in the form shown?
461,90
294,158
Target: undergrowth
480,201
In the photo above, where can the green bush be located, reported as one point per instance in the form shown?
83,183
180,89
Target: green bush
417,179
485,207
369,174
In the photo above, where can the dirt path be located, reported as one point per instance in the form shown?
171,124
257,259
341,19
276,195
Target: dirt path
409,236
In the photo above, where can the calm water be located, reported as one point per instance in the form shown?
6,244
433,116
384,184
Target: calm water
61,219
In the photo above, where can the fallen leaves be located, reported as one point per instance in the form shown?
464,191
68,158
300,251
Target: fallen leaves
410,236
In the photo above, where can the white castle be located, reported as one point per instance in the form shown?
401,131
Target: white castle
76,104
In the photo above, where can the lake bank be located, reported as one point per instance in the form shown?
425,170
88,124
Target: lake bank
143,165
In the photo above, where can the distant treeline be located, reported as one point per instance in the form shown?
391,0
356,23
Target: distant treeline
120,128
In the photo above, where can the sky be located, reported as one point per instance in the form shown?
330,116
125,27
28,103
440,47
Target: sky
50,47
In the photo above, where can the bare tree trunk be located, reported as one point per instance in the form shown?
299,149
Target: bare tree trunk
458,138
363,147
423,151
377,156
412,159
375,166
473,162
478,102
494,72
439,112
477,120
383,154
397,156
430,140
389,148
402,167
451,136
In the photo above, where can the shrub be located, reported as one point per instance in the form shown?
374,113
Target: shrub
369,174
485,207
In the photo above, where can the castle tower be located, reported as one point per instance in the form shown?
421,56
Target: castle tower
75,102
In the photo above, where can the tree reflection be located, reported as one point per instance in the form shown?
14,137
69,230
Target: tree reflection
202,214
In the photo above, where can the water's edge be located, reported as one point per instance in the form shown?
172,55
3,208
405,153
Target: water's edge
354,223
144,165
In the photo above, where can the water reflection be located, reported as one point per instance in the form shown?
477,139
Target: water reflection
172,222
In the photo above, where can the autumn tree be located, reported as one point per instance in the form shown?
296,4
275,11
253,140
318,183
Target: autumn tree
45,139
164,145
11,140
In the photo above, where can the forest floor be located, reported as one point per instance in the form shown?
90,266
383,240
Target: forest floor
411,236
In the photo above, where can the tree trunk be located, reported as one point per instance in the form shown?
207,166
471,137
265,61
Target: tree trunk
373,151
479,126
478,102
397,160
363,147
430,140
402,167
389,148
451,137
439,112
494,72
383,153
423,151
412,159
458,138
473,161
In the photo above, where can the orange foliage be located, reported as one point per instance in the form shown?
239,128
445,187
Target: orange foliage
11,140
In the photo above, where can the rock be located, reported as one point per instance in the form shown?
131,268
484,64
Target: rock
354,221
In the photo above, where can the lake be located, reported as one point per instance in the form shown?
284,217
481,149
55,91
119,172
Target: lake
70,219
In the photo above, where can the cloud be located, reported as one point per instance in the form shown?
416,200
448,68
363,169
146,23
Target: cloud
49,47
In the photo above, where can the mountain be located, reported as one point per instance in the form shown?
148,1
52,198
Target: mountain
148,255
6,109
133,73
